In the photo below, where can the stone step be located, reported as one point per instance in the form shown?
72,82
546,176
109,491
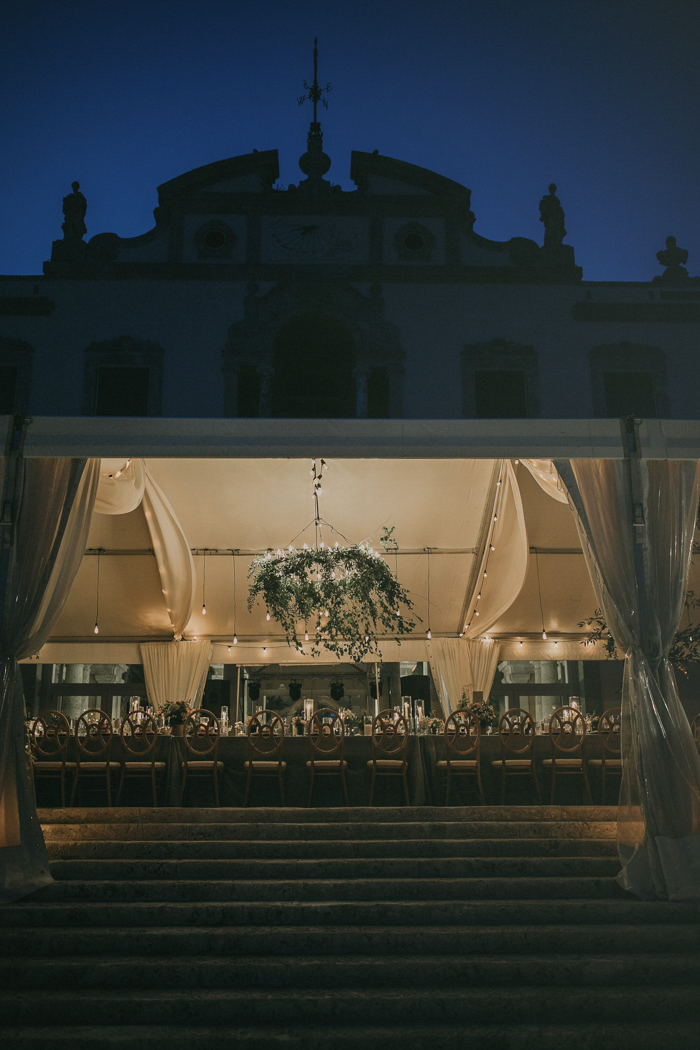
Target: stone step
342,971
270,849
435,1036
325,815
340,912
496,869
252,1007
497,929
309,890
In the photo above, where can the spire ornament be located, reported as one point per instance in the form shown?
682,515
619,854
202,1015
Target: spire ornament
315,163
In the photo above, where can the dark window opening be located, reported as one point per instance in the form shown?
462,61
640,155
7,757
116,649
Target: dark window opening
314,357
122,391
8,389
248,392
378,394
629,394
500,394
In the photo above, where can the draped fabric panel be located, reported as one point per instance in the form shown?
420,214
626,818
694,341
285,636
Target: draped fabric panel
53,505
507,563
124,486
483,657
459,666
175,671
636,522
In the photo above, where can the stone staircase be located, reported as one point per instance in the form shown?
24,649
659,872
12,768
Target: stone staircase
314,929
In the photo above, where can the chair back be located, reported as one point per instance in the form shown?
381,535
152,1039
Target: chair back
610,732
567,730
516,731
389,735
139,735
462,735
93,735
327,737
201,734
50,734
265,735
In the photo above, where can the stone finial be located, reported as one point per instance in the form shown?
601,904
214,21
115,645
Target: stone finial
74,208
552,215
674,259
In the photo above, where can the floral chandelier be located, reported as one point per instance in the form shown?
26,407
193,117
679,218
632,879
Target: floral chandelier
337,597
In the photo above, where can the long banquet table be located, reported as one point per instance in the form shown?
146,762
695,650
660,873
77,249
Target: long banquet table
426,785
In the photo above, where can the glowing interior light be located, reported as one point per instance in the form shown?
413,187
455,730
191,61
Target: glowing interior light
228,650
204,610
235,640
544,636
264,650
306,637
492,547
97,629
267,616
429,633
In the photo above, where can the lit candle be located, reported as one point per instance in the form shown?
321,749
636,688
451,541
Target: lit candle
308,709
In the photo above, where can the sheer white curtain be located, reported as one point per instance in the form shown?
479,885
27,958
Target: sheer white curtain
459,664
53,501
175,671
636,521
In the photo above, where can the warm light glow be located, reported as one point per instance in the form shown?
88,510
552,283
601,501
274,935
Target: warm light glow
544,636
429,633
204,610
267,617
97,629
235,640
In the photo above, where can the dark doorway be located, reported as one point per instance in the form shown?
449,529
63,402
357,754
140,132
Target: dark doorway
313,357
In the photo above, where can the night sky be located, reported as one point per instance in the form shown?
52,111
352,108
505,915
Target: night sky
602,98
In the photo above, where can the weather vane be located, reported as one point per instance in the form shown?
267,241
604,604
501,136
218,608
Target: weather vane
315,93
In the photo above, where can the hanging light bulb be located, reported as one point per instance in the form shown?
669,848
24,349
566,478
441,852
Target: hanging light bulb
306,636
492,547
235,640
204,610
97,595
544,636
264,650
267,617
429,633
228,650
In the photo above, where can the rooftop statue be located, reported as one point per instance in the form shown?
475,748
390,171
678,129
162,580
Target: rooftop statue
674,259
74,208
552,215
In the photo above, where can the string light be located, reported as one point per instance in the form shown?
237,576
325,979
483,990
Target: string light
539,592
430,634
97,596
235,639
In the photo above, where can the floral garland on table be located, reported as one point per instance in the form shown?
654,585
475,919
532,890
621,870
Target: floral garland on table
344,597
176,712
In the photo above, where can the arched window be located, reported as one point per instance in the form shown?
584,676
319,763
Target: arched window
313,358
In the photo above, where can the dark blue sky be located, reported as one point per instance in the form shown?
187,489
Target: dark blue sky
600,96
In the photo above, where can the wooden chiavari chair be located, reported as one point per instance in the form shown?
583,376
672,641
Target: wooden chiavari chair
462,750
139,739
265,740
610,736
201,737
93,740
49,738
389,749
327,743
567,732
516,733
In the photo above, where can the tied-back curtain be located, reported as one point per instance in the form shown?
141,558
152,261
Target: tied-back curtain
458,665
641,589
175,671
53,503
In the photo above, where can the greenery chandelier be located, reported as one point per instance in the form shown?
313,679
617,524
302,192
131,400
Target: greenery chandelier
337,597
